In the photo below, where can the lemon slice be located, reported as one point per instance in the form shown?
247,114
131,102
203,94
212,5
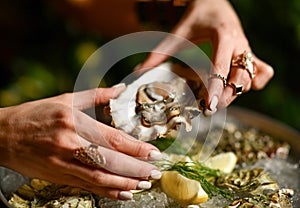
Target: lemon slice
184,190
223,161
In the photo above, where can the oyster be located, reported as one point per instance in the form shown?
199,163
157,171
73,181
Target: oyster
157,104
44,194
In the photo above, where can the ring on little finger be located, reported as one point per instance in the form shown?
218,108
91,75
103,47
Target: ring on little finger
237,89
90,156
245,60
219,76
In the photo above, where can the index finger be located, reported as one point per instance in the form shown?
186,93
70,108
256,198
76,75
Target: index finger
109,137
221,67
94,97
169,46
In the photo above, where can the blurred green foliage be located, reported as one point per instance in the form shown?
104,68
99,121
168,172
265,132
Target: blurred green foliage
42,54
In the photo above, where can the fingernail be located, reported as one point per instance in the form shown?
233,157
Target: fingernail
155,155
209,112
118,89
144,185
125,195
155,174
213,103
120,85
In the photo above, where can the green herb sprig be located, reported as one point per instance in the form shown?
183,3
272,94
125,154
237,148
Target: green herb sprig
197,171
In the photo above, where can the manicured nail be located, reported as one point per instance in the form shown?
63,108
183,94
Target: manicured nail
125,195
120,85
155,174
144,185
118,89
213,103
155,155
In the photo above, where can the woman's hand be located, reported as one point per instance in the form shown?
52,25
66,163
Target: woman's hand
217,22
38,139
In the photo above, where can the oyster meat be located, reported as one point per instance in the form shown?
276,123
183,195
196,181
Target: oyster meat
157,104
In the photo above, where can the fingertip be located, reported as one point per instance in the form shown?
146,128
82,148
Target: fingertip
125,195
208,112
118,89
155,174
155,155
120,85
215,90
264,74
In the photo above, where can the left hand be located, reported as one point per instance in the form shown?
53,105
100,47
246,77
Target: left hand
217,22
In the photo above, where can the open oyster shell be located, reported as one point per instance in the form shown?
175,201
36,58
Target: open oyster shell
158,102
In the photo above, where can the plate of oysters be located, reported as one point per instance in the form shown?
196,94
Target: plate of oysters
234,159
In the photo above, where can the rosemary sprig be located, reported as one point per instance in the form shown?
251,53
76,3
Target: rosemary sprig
199,172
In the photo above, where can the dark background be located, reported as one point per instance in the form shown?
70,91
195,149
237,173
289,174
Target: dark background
42,53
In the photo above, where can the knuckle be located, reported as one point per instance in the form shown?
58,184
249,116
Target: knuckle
115,140
65,97
99,178
113,194
225,101
226,33
141,149
63,117
128,185
219,67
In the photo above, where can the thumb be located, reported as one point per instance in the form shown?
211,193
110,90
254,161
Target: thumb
98,96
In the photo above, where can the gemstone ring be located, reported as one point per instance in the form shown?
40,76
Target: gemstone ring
245,60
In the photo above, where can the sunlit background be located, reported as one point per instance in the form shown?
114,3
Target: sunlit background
42,52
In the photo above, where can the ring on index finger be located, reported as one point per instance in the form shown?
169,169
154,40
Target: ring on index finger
245,60
219,76
90,156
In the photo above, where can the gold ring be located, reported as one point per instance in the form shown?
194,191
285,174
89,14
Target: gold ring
219,76
245,60
90,156
237,89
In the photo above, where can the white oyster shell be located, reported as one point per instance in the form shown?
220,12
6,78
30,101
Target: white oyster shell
155,104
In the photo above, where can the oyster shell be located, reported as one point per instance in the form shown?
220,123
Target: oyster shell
158,103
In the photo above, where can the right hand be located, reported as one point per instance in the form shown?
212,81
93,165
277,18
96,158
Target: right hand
214,21
38,139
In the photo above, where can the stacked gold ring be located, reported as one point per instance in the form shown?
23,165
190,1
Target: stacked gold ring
245,60
237,89
219,76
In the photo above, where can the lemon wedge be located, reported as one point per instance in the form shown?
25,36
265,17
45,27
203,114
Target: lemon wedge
184,190
223,161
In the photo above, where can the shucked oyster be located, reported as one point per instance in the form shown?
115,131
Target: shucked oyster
157,103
